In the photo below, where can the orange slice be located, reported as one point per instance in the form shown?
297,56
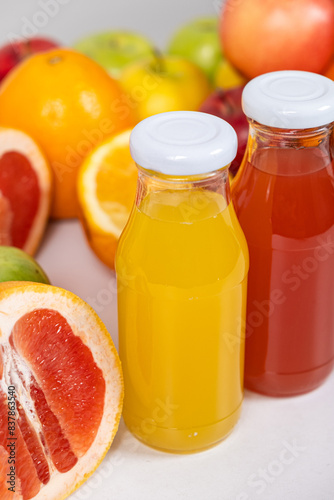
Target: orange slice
61,391
106,191
25,191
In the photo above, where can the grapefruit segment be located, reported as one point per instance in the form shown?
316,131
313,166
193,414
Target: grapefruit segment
23,196
25,191
68,384
6,217
34,446
58,446
66,372
16,454
5,494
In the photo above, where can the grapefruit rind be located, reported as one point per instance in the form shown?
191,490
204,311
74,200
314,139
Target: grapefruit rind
17,299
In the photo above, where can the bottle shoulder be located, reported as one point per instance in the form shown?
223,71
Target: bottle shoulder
291,206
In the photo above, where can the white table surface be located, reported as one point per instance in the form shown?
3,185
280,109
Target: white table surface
281,449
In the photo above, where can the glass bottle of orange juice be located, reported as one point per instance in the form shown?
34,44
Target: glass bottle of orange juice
182,265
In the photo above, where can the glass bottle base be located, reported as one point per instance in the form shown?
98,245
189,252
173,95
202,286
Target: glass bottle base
173,440
292,384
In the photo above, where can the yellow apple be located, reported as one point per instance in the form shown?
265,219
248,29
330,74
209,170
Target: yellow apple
167,83
227,76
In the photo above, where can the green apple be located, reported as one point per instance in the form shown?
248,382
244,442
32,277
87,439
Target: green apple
17,265
114,50
167,83
199,42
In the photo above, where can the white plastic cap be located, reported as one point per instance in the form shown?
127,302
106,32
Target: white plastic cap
290,100
183,143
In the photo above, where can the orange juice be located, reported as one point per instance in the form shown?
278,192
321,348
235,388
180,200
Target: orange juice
182,266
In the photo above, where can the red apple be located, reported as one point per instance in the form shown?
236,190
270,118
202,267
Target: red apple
260,36
12,53
227,105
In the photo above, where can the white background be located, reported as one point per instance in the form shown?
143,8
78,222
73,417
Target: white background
157,19
255,449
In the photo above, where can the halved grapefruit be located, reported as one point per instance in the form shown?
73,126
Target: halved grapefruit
61,391
25,191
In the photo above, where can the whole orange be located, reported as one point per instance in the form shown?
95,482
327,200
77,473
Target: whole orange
68,104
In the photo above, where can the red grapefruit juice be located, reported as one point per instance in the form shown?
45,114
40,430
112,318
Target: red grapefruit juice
284,199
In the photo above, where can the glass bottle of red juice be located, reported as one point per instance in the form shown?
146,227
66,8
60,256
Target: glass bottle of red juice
284,198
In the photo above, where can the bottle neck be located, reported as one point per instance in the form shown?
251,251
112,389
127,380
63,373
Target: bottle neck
289,151
150,182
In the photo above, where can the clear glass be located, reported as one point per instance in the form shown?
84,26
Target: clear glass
284,198
182,264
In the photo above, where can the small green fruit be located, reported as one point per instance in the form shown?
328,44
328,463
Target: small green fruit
114,50
17,265
199,42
